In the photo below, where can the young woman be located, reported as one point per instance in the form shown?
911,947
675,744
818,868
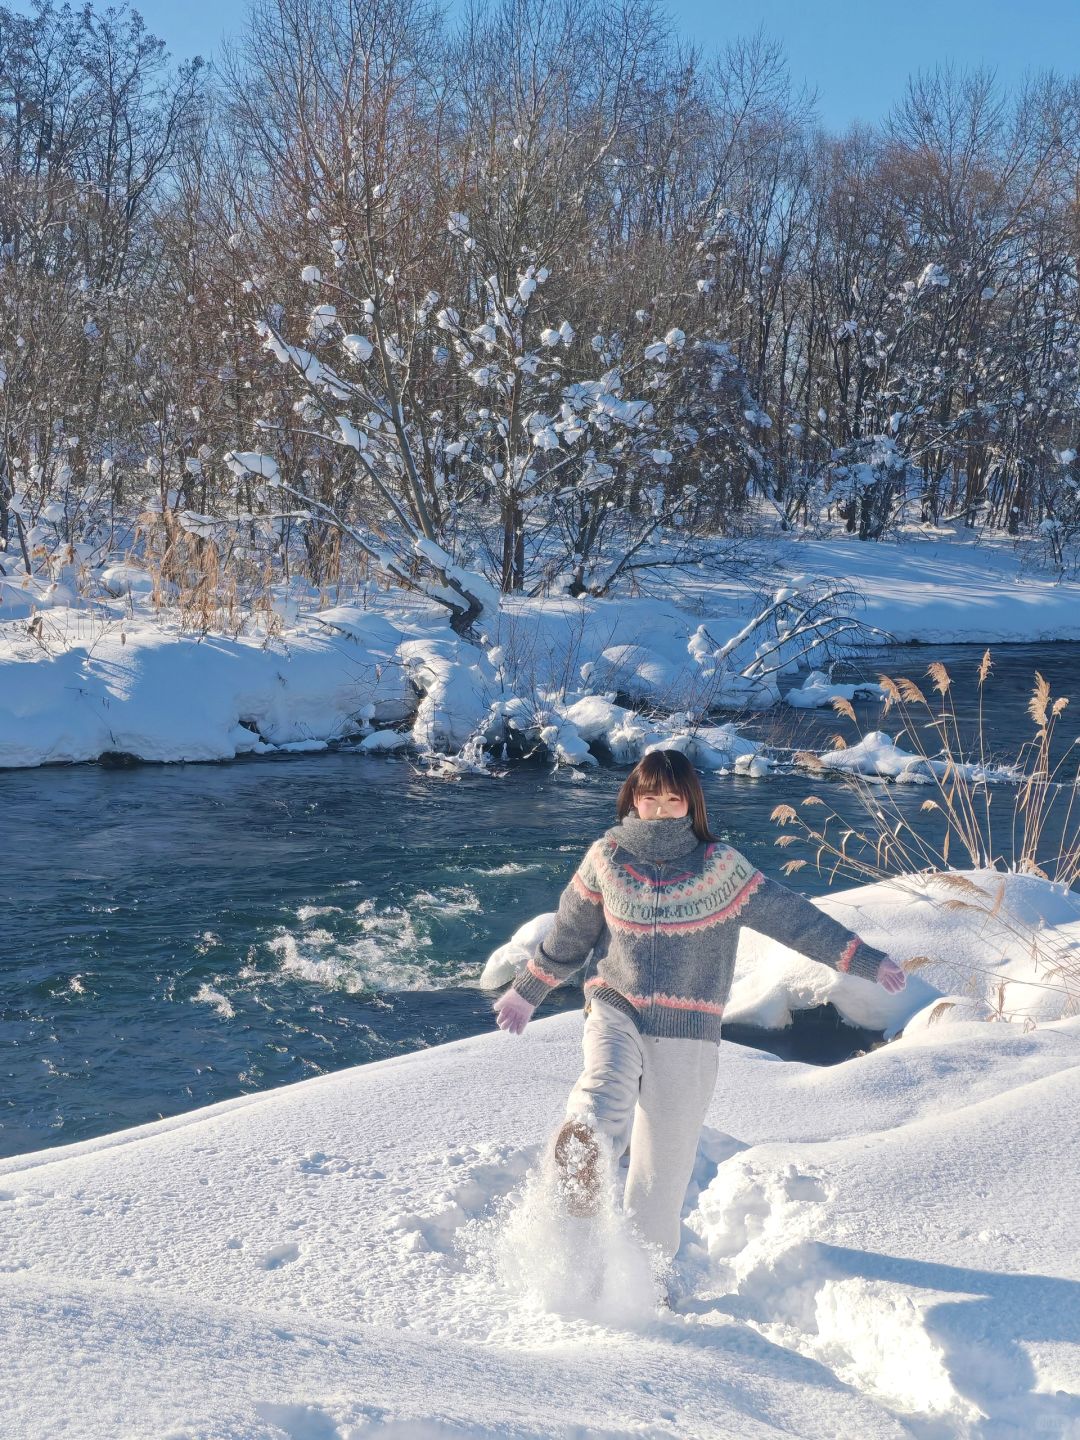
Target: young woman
658,902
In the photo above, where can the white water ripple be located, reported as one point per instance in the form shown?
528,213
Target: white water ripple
207,995
376,947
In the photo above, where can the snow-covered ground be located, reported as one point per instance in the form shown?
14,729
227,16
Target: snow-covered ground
947,589
80,681
886,1248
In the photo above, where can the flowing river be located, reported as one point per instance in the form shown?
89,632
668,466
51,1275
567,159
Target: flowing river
172,936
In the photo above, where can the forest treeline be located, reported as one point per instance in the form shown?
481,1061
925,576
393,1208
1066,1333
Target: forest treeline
543,293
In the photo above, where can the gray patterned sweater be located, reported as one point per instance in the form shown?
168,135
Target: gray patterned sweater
660,911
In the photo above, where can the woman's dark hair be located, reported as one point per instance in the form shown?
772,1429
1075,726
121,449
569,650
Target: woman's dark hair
666,770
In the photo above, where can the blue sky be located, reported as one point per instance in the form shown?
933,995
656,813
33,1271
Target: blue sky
856,56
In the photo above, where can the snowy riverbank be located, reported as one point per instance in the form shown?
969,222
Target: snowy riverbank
884,1248
894,1239
78,682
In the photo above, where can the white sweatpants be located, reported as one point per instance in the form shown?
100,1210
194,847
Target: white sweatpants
652,1092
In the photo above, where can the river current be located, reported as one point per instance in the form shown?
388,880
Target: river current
175,935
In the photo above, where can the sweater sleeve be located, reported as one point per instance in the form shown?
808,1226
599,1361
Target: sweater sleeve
784,915
579,923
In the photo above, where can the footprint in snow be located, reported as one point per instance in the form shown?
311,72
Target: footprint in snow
300,1422
278,1255
479,1176
317,1163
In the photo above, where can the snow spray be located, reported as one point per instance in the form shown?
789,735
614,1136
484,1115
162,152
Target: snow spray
591,1267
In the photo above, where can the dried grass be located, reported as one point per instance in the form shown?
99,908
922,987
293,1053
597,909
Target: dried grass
961,805
962,799
940,677
940,1009
208,591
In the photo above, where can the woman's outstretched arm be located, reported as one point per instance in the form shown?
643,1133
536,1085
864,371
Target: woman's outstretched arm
784,915
578,925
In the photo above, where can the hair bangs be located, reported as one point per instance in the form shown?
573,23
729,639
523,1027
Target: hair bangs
655,774
666,770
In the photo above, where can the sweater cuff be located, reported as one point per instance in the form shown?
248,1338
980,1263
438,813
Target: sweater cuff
530,986
861,959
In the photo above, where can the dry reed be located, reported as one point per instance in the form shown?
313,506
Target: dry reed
893,844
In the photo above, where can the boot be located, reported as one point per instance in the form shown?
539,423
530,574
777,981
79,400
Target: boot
577,1158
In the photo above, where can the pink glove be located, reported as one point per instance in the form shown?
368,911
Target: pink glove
512,1012
890,976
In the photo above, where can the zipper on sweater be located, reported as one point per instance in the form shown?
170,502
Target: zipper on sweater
655,929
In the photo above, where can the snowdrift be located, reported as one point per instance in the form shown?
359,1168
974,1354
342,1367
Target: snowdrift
884,1248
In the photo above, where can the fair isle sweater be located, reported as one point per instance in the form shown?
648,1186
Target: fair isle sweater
660,911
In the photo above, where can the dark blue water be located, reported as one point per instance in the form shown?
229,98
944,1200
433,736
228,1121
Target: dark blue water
175,935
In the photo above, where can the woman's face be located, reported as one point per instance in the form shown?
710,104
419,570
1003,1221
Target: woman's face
664,805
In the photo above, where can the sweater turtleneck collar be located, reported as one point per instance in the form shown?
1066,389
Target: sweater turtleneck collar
656,841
